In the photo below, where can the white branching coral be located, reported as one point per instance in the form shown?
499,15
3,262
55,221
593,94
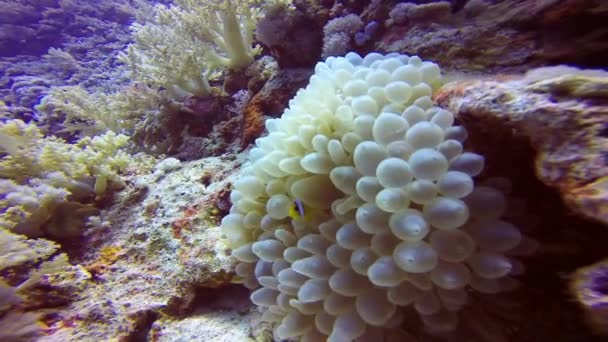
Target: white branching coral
184,44
360,203
92,114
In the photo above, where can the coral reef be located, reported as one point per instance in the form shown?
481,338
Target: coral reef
32,27
61,43
206,79
158,108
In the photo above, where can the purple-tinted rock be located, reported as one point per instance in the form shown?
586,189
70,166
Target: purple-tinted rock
498,36
589,286
561,112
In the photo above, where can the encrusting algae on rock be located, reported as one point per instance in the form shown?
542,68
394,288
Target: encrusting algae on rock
560,111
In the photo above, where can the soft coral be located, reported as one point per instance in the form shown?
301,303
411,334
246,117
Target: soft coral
183,45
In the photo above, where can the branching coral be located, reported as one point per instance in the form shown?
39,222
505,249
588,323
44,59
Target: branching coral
37,256
44,174
27,206
229,25
182,46
93,113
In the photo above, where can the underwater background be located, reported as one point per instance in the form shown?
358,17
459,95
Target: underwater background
303,170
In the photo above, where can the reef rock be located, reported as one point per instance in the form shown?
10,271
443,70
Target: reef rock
166,260
497,36
589,286
561,112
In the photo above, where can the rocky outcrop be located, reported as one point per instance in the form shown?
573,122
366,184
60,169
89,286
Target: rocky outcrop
561,111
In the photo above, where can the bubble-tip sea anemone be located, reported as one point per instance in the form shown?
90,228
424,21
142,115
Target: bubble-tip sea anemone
360,201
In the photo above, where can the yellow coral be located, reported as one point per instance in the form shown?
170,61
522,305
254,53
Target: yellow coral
34,259
93,113
44,174
109,254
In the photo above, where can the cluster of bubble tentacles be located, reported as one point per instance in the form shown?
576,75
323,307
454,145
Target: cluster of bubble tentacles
392,216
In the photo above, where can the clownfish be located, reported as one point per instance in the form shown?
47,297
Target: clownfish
300,211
